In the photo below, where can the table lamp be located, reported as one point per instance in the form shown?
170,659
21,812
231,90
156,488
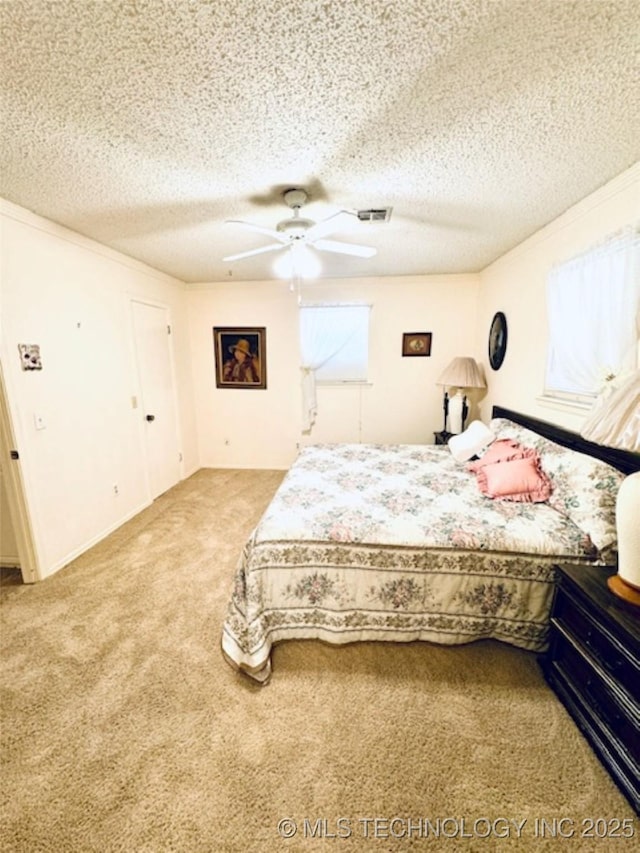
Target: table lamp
461,373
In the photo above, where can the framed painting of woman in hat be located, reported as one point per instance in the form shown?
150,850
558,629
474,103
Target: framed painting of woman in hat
240,353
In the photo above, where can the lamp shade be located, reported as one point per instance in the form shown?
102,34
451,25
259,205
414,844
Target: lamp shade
626,584
462,372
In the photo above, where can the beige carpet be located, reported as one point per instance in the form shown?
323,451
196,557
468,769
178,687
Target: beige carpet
124,730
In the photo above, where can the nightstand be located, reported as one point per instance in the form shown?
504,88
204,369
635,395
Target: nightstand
443,436
593,665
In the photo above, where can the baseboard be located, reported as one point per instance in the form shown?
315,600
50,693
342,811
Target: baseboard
72,555
190,472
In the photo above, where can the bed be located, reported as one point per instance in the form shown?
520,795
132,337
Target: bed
398,543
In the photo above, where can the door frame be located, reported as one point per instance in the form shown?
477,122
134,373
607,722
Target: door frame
16,497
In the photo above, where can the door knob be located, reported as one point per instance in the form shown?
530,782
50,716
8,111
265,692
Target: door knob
151,418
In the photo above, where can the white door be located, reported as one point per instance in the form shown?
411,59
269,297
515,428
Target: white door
8,541
15,513
158,401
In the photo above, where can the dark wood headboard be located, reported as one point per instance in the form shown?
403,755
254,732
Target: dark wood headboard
623,460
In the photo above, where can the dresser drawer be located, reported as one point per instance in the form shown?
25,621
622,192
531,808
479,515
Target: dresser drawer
600,697
593,666
612,754
611,656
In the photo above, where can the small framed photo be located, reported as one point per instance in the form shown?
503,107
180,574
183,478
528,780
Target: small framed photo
240,353
30,358
416,343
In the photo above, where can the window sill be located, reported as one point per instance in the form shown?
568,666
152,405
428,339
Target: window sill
560,404
341,383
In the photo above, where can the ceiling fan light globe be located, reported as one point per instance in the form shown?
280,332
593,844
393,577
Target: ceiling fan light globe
298,262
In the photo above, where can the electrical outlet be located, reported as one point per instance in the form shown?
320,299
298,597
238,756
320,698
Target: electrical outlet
227,442
38,421
116,490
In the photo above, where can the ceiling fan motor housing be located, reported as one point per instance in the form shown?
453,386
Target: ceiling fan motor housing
296,227
295,198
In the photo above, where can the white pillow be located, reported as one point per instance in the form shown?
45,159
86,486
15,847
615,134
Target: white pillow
473,440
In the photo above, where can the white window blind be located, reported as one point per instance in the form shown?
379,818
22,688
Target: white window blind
334,345
593,303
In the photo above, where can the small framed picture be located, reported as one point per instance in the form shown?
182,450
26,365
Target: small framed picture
30,358
416,343
240,353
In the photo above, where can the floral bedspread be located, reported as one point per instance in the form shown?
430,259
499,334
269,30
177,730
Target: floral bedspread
393,542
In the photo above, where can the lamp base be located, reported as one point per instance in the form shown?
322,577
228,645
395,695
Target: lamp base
624,590
456,412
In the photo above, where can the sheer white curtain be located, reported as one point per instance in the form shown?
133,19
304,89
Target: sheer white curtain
615,419
593,303
326,332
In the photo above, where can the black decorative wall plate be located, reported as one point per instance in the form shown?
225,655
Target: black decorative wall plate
497,340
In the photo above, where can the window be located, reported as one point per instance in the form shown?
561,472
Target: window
593,304
334,346
334,341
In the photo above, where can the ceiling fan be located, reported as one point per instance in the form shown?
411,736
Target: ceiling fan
298,231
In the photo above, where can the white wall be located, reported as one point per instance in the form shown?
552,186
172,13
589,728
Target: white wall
238,427
516,284
72,297
261,429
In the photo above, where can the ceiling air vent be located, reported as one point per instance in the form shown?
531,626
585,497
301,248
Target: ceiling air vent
378,214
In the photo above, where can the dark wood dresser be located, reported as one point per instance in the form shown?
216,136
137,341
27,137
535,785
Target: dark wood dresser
593,664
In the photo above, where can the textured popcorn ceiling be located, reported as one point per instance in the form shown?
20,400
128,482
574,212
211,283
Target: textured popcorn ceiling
146,123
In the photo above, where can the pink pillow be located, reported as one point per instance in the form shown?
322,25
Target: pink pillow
515,480
502,450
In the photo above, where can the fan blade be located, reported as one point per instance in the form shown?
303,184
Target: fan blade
328,225
272,247
270,232
345,248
